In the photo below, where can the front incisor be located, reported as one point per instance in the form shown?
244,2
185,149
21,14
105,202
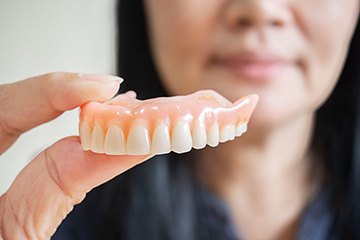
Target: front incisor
160,143
138,142
181,137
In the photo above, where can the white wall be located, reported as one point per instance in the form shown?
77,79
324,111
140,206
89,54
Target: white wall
40,36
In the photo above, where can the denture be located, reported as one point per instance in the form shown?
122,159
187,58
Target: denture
128,126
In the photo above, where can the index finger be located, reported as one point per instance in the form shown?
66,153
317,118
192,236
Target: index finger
28,103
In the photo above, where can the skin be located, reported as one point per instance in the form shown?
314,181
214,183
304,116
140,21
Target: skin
257,176
47,189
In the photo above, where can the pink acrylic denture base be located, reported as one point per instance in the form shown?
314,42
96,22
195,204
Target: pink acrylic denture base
205,105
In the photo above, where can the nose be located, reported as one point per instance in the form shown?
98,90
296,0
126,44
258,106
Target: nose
242,14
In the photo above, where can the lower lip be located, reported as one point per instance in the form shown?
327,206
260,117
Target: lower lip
255,70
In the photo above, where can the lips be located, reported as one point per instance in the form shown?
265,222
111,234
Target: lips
253,66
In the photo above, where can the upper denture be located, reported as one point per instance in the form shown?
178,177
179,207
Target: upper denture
126,125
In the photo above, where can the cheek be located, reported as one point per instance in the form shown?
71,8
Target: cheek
181,37
327,40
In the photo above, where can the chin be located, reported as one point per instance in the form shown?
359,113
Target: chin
272,116
264,118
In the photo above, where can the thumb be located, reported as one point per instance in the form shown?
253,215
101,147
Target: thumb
46,190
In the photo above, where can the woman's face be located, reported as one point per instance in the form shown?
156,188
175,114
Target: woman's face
290,52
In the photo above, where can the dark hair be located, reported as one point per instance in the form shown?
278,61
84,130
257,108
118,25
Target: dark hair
155,199
337,138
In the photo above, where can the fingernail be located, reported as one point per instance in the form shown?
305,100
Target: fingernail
100,77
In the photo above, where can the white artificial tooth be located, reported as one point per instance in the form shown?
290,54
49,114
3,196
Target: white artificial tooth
213,135
227,133
181,137
85,135
199,135
138,142
115,143
160,142
97,140
240,129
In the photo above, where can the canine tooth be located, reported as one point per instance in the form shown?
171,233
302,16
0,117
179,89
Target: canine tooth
85,135
181,138
213,135
138,142
240,129
199,135
97,140
227,133
115,141
161,140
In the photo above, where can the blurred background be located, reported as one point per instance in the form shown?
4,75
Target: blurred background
41,36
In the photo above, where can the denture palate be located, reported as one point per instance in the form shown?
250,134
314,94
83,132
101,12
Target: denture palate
126,125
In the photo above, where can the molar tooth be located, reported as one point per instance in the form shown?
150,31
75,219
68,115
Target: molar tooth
115,141
97,140
240,129
161,140
85,135
213,135
181,137
199,135
227,133
138,142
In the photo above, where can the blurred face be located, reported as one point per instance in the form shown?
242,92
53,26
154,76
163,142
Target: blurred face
290,52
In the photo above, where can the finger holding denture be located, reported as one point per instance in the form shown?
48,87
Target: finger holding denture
126,125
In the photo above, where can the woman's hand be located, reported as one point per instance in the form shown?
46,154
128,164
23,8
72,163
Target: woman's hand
46,190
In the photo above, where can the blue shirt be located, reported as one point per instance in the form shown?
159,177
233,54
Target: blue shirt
84,222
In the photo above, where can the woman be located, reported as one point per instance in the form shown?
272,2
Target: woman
296,170
291,169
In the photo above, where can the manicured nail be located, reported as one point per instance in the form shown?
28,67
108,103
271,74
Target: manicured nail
100,77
